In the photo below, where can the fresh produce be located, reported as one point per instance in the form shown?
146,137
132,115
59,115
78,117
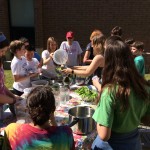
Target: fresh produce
87,94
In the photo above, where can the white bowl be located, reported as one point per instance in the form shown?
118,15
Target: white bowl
39,83
27,90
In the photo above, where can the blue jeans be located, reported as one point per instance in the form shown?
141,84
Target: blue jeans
98,144
117,141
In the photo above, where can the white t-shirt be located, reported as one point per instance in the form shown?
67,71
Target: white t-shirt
48,70
73,51
32,67
19,67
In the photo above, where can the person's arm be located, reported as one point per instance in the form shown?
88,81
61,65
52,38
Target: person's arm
96,83
47,60
18,78
80,67
6,99
10,94
104,115
103,132
52,120
40,63
96,62
86,59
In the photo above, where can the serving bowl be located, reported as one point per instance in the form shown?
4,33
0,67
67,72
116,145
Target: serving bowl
27,90
39,83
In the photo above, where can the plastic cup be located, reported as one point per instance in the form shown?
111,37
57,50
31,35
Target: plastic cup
64,95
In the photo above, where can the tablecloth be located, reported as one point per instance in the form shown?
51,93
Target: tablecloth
62,118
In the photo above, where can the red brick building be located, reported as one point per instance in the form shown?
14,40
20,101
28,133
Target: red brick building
43,18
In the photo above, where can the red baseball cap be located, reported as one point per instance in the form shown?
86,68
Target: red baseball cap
70,34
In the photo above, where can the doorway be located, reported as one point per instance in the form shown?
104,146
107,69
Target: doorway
21,14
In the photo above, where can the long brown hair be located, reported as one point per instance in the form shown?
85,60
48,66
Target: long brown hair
120,71
98,42
50,40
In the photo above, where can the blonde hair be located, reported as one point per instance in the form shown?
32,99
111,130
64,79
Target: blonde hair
50,40
96,32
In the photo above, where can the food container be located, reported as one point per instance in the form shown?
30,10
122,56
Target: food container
39,83
27,91
80,119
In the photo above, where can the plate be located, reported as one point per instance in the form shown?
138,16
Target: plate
74,87
27,90
75,95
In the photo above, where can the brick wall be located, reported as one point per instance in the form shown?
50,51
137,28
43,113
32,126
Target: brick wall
82,17
55,18
38,14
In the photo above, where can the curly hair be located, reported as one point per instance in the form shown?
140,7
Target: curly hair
40,104
15,45
119,70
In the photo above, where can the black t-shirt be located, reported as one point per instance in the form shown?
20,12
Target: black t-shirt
90,48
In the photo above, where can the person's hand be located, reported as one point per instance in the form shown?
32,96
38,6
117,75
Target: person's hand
67,71
51,55
52,120
33,74
95,80
17,98
96,83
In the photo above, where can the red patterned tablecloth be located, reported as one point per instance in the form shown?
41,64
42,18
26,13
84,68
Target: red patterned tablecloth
62,118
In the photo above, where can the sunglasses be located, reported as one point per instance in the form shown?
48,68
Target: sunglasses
69,38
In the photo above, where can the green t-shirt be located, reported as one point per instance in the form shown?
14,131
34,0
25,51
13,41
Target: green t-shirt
140,65
109,115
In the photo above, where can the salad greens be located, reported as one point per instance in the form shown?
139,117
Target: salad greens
87,94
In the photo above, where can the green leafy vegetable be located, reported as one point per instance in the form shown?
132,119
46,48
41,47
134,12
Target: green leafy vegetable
87,94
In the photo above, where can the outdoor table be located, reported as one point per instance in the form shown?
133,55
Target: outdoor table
62,118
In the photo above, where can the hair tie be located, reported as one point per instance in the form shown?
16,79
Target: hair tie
2,37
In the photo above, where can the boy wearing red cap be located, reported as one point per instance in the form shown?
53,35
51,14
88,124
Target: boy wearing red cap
73,49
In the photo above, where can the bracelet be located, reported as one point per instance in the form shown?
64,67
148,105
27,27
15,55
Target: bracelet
72,71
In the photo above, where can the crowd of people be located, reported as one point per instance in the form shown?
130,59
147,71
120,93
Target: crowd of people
116,68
